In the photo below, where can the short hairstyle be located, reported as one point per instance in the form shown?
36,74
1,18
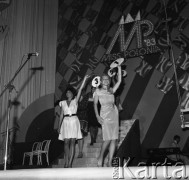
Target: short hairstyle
70,88
176,137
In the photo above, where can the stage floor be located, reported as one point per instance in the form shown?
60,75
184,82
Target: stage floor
143,172
57,173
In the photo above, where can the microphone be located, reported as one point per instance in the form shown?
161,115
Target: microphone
33,54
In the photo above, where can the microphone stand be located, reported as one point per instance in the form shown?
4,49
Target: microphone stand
10,87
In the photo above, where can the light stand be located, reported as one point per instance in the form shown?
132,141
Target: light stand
10,87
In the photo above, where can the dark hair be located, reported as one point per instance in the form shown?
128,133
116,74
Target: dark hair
70,88
176,137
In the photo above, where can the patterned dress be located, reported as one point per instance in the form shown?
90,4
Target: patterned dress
109,113
70,127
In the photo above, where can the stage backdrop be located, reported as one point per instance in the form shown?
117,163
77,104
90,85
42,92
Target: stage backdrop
86,29
27,26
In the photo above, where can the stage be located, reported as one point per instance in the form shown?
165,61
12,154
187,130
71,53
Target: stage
58,173
108,173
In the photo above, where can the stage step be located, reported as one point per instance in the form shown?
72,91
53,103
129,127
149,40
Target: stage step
88,150
81,162
87,144
90,153
87,139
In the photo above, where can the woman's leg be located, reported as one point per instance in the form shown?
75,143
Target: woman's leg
80,146
102,151
66,152
72,151
91,129
111,152
95,133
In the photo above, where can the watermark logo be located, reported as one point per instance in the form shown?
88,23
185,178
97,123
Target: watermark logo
142,171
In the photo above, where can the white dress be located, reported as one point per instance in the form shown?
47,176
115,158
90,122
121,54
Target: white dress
70,127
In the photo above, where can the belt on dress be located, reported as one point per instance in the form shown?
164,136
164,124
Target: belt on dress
69,115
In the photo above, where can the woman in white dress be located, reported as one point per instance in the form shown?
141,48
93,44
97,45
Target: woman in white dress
69,125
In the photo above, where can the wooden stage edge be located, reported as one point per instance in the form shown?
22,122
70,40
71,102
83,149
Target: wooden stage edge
143,172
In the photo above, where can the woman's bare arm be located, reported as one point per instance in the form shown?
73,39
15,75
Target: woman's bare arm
117,84
99,118
81,87
61,119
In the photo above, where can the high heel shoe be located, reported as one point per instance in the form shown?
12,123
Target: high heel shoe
65,166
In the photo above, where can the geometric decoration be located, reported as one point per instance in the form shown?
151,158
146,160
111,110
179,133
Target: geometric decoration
184,81
62,86
165,84
4,4
164,64
143,68
146,44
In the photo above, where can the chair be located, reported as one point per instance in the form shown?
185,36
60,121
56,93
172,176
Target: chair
35,147
44,150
